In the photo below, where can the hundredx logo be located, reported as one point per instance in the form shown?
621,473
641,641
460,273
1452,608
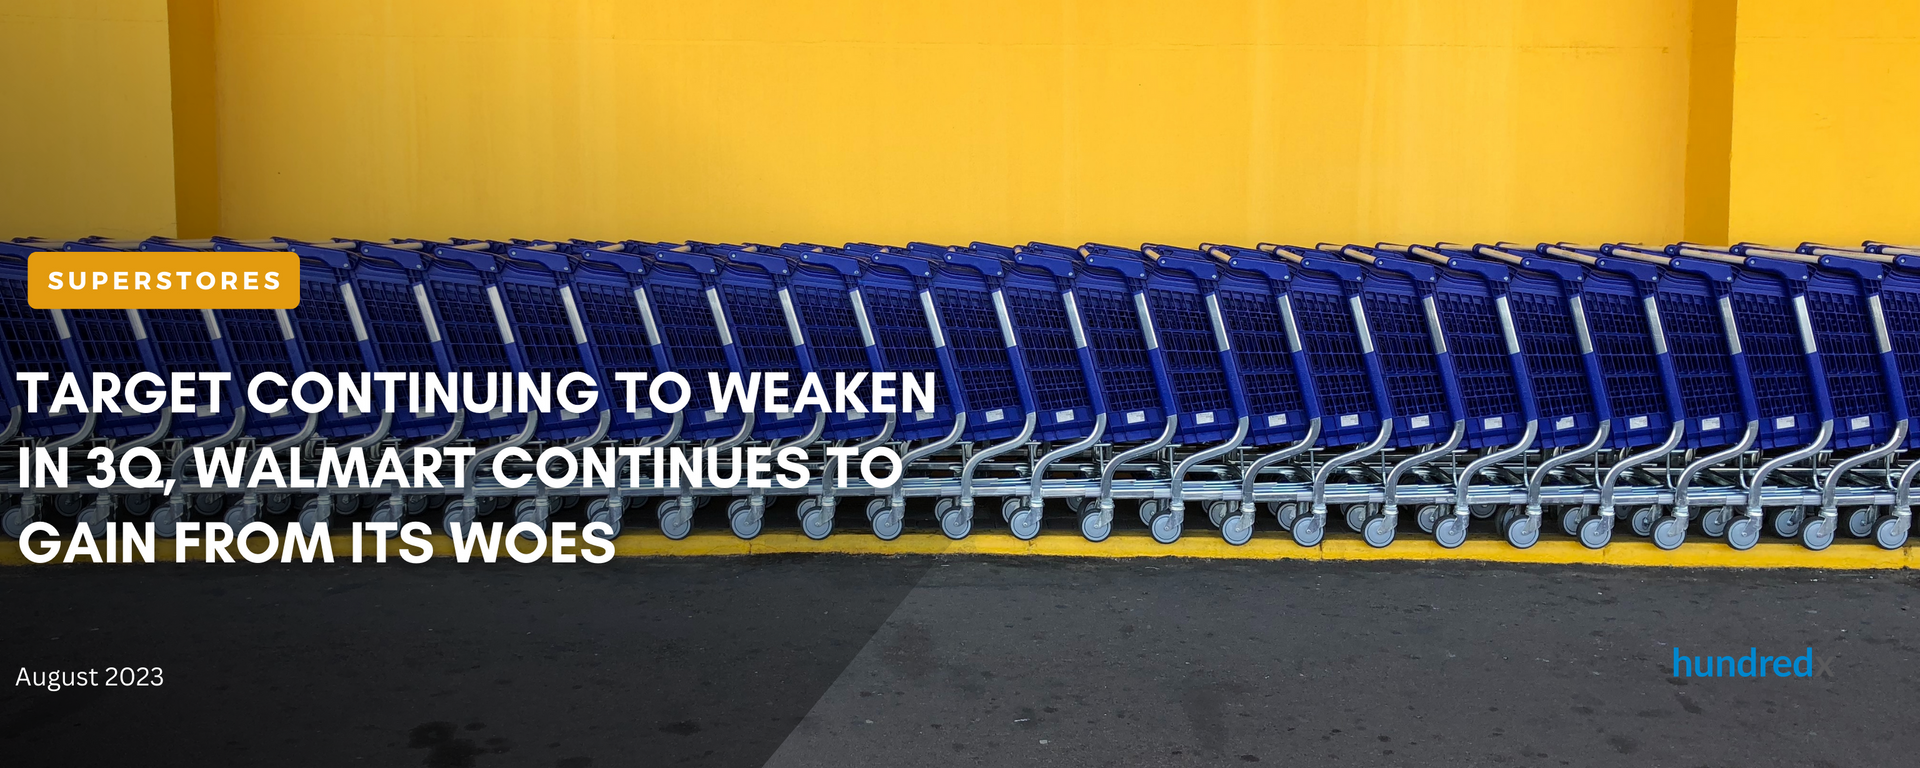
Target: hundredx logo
1752,664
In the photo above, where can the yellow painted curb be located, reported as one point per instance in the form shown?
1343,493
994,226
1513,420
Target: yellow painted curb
1271,545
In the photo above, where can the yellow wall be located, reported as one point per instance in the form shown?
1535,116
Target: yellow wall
950,120
1826,137
85,137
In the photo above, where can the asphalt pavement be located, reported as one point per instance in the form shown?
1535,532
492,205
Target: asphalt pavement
840,660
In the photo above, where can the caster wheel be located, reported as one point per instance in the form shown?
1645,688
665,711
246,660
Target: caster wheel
1891,532
886,522
956,524
1669,533
1077,504
96,520
414,504
1025,524
1860,522
1308,530
1571,519
166,521
1817,534
14,522
310,517
1094,528
1523,531
1150,509
277,503
1595,532
742,519
1642,521
1357,515
349,504
1502,518
1378,531
524,511
874,506
1714,522
1451,531
238,517
1743,533
815,521
1482,511
384,512
455,518
1787,522
1427,517
138,504
209,503
599,511
1217,512
69,504
1238,529
1009,506
1165,529
1284,513
675,523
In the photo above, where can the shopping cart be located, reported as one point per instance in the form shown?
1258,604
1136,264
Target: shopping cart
1253,292
1621,314
35,341
1852,370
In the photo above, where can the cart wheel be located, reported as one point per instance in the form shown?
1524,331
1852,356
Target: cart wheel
1743,533
1642,521
166,522
1217,511
1669,533
310,517
1571,518
138,504
1149,509
414,504
599,511
1787,522
1714,522
1094,528
1379,531
1308,530
1165,528
1284,513
277,503
1237,530
1077,504
954,521
1523,531
1451,531
69,504
1427,517
348,503
96,519
1357,515
1860,522
456,517
675,523
524,511
741,518
1024,523
1009,505
1595,532
1817,534
1891,532
208,503
239,515
386,512
886,522
815,522
1482,511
